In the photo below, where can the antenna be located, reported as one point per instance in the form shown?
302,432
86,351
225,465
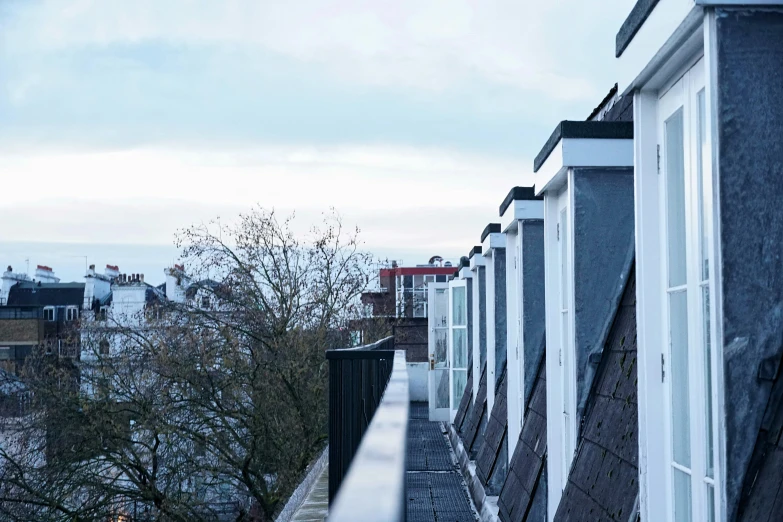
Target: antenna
27,260
85,262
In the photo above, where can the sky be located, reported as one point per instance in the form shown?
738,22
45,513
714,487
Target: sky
123,122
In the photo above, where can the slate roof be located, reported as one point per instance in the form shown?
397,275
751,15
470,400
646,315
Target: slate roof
473,427
492,460
464,403
603,482
622,110
191,291
523,496
762,498
46,294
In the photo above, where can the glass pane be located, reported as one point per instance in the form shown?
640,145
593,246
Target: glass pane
442,387
418,282
441,347
459,308
681,424
441,311
460,379
460,353
708,435
682,496
563,238
675,198
705,202
710,503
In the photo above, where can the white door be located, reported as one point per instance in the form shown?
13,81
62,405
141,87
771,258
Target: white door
567,375
438,341
688,361
516,363
458,342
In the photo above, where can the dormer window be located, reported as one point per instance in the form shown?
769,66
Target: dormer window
458,341
49,313
205,302
584,174
71,313
676,314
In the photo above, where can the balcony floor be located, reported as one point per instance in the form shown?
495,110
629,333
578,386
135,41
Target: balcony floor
436,491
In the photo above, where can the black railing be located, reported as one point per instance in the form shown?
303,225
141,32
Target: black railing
368,425
357,380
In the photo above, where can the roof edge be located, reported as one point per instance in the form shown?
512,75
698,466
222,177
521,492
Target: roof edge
602,130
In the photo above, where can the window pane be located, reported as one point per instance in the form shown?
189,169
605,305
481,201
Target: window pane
459,308
678,331
705,206
682,496
460,378
460,354
710,503
441,308
675,198
708,435
563,238
442,386
441,350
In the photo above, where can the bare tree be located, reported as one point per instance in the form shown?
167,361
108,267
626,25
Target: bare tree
209,408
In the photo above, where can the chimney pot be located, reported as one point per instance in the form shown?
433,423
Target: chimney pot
10,268
141,277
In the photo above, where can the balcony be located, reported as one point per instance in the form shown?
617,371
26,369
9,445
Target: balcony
387,461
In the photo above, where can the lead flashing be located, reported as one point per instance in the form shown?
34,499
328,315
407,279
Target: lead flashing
518,194
603,130
492,228
588,144
638,15
493,241
465,273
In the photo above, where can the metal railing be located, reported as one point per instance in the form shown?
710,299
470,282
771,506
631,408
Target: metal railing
368,422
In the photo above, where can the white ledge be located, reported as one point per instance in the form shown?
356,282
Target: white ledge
581,152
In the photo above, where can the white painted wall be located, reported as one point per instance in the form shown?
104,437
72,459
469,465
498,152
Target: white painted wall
96,286
9,279
417,381
176,284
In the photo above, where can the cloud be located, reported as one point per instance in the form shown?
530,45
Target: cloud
399,196
544,47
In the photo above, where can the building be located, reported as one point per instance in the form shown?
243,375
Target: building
402,290
650,388
40,313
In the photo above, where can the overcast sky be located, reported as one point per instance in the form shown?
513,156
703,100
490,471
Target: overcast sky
121,122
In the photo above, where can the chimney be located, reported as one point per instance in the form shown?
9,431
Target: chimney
112,271
45,274
141,278
176,283
9,279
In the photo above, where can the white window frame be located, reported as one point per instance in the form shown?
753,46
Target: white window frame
559,435
455,398
71,313
437,321
516,353
477,261
489,273
50,317
652,106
